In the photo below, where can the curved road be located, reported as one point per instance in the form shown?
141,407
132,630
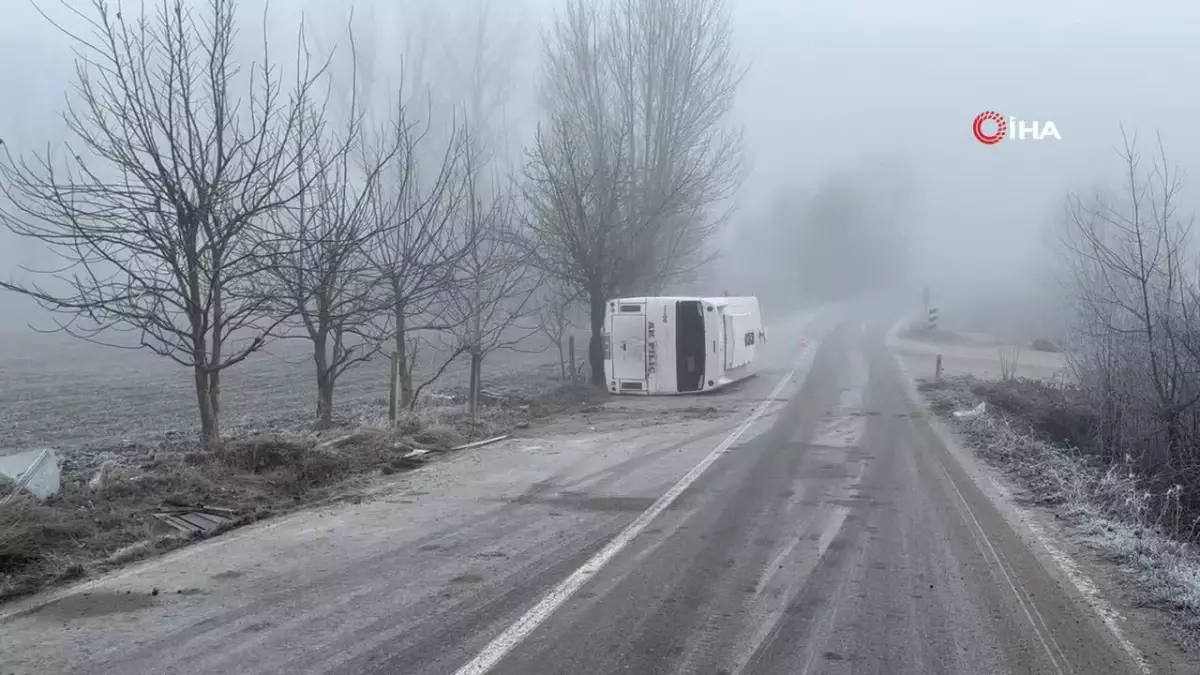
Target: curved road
835,534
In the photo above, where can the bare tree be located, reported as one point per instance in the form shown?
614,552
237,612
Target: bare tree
557,311
1134,347
416,253
493,291
575,237
1127,256
157,212
627,176
1010,360
326,283
484,73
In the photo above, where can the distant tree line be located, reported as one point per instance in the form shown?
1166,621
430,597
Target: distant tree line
847,235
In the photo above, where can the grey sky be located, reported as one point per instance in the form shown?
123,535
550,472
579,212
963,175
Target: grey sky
831,81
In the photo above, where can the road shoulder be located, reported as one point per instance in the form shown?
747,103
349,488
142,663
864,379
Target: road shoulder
1143,633
495,519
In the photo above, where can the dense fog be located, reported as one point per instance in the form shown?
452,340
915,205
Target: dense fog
855,116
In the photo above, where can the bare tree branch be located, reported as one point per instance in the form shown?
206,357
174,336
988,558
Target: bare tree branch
417,250
157,211
493,289
1135,347
627,177
326,284
558,310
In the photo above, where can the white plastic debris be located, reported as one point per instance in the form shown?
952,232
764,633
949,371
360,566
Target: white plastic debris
36,471
479,444
972,413
101,478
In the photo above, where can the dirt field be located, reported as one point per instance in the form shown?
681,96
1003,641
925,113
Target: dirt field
975,356
102,516
61,392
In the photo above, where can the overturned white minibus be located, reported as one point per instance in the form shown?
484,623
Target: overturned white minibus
674,345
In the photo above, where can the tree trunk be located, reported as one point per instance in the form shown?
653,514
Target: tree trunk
476,383
406,385
214,359
324,401
214,403
595,344
562,360
209,429
324,382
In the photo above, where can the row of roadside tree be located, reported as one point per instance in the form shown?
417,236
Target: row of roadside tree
203,205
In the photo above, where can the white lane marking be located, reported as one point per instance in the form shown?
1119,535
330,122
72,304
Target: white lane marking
1088,588
1053,650
982,540
1068,567
514,634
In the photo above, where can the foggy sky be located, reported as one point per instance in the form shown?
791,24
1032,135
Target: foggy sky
829,82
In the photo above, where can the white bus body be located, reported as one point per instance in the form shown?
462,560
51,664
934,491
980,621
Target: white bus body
677,345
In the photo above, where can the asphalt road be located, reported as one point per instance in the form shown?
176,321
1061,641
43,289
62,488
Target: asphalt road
835,534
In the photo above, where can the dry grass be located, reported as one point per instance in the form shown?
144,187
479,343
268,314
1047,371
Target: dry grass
1040,435
82,530
65,392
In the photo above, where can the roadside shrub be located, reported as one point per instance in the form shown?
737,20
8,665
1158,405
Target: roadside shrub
1057,414
1116,509
257,455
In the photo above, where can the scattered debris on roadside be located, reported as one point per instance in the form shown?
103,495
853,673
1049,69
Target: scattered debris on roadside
199,520
135,505
973,412
99,480
117,504
37,472
1043,436
480,444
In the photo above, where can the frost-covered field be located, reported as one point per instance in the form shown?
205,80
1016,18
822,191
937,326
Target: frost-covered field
61,392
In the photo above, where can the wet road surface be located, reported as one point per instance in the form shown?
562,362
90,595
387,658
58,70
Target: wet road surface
835,534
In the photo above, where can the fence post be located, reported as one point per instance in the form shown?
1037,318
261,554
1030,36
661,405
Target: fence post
571,356
937,369
394,389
